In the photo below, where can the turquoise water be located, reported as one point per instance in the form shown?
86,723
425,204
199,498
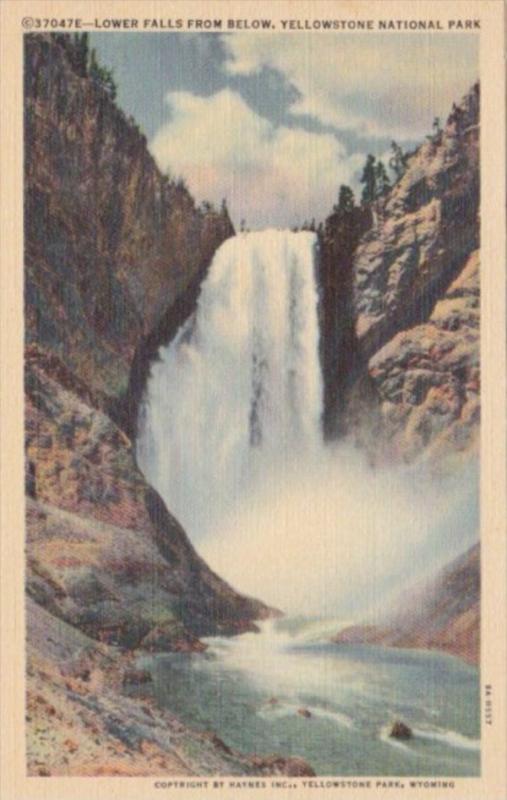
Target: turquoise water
249,689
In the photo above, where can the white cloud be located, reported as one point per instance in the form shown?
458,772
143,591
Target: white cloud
382,85
271,176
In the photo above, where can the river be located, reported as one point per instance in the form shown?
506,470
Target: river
287,690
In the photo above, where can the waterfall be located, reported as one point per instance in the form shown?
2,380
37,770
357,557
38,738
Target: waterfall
238,393
230,436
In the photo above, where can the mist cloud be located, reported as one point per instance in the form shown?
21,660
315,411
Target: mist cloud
336,537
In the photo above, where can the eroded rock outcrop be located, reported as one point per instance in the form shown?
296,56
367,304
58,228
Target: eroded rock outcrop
412,386
103,551
425,231
428,378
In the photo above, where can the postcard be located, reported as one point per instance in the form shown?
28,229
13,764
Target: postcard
253,400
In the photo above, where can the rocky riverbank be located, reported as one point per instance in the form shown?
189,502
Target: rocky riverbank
81,721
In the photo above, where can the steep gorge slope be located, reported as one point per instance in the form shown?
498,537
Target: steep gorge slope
411,387
114,255
115,251
410,390
442,615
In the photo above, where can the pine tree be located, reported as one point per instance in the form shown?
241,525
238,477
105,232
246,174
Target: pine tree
437,131
80,53
382,181
102,75
368,178
346,201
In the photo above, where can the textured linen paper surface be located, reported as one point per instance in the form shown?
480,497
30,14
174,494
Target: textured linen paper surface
253,400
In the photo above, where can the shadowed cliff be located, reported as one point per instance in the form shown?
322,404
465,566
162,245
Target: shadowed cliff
115,253
114,250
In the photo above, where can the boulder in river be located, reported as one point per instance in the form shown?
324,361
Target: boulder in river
400,731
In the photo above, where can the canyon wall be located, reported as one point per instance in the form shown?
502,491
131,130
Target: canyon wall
115,253
406,388
411,383
114,250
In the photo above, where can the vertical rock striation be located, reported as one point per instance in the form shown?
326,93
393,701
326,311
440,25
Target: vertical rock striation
114,249
338,240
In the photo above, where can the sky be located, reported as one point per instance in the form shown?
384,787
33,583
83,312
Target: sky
276,122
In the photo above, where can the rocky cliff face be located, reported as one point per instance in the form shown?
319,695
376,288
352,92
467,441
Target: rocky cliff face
413,385
443,615
428,378
338,241
103,551
115,251
408,294
114,256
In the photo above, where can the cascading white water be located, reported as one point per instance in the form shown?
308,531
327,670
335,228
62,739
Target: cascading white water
239,390
230,436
